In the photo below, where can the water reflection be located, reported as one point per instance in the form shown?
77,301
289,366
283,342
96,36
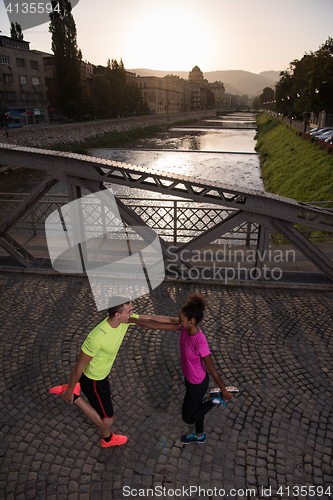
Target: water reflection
222,154
207,153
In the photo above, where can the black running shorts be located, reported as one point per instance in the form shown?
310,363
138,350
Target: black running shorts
98,394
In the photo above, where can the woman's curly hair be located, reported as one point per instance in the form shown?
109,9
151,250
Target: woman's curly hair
194,307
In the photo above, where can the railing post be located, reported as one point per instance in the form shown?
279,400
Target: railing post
262,250
175,222
248,234
103,216
33,221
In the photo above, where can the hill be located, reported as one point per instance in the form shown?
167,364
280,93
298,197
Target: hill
235,81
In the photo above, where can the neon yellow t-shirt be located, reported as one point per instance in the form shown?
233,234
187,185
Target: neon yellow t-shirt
102,344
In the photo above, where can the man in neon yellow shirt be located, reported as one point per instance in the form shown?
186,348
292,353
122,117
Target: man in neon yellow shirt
93,366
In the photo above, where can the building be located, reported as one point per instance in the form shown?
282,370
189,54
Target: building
173,94
218,90
230,101
163,95
196,75
23,97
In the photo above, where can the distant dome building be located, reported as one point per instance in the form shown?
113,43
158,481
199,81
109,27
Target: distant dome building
196,74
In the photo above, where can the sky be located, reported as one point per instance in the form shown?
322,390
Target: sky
175,35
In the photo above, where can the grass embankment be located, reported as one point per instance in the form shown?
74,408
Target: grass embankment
291,166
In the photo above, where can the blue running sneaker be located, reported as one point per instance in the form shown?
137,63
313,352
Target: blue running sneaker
216,397
192,438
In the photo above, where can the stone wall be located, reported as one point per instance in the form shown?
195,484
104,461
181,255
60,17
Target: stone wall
44,136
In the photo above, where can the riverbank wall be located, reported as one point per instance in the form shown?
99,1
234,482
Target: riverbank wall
49,135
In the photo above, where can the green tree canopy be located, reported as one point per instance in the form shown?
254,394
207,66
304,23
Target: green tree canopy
16,31
266,96
256,103
67,57
308,85
114,94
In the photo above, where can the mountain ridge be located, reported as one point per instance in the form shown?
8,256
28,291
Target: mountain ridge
235,81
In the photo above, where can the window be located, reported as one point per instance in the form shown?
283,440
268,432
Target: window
34,64
49,72
5,60
20,62
8,78
10,96
35,81
25,96
23,80
38,97
15,43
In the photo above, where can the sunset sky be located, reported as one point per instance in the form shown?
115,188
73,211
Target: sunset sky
175,35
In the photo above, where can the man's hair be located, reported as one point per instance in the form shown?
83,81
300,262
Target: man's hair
119,308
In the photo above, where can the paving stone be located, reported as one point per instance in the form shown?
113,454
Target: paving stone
276,344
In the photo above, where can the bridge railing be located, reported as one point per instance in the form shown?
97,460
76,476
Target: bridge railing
175,220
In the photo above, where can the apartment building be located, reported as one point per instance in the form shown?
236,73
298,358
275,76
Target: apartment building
163,95
23,98
218,90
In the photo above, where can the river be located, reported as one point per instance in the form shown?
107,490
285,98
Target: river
215,149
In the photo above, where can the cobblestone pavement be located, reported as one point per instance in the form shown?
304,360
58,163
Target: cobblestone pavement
276,344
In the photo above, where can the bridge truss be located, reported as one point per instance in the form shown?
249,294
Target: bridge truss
269,211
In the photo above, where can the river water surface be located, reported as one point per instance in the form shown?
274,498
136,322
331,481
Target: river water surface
220,149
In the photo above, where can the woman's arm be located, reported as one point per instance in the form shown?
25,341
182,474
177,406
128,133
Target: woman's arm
208,360
154,325
160,319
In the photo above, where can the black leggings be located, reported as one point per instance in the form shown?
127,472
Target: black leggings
194,410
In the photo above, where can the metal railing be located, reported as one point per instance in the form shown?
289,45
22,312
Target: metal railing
175,220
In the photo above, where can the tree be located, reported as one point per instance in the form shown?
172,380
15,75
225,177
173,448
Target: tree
114,94
267,96
256,103
308,85
244,100
210,99
67,58
16,31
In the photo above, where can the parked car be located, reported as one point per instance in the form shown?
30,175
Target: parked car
321,131
325,135
314,130
329,139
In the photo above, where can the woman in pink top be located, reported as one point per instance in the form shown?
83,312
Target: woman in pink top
195,360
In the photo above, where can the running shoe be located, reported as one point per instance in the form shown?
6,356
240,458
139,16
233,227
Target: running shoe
216,397
192,438
114,441
232,389
59,389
